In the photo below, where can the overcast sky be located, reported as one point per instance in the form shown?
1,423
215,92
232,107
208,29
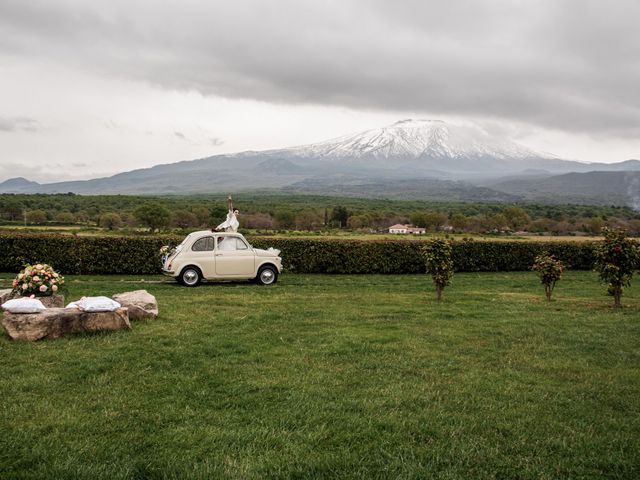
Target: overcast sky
92,88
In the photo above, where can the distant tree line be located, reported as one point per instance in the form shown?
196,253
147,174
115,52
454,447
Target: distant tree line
299,212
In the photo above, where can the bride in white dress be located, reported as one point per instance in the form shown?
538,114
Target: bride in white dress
231,224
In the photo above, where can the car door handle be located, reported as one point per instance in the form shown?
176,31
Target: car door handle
218,254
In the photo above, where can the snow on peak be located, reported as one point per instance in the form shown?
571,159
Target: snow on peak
419,137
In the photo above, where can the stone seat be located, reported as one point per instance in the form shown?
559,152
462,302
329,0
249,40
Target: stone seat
51,301
141,304
59,322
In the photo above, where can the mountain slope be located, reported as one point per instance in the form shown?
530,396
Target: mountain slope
387,160
17,185
405,189
419,138
607,188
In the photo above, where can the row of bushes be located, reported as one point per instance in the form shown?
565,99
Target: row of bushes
397,256
139,255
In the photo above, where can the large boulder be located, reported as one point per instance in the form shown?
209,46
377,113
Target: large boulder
5,294
141,304
52,301
59,322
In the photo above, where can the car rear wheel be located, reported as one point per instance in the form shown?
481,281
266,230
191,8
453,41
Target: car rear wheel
190,277
267,275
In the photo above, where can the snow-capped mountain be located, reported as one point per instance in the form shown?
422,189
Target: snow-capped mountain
423,157
420,138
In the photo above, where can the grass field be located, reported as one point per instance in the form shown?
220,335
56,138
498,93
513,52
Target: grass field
334,377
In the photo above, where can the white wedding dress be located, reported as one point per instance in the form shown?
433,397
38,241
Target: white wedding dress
231,224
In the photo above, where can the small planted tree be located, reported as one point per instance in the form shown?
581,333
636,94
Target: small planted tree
437,258
549,269
616,259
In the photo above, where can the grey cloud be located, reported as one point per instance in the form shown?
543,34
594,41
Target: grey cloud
15,124
110,125
9,169
571,65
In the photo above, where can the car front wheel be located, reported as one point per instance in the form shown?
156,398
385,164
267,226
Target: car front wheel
267,275
190,277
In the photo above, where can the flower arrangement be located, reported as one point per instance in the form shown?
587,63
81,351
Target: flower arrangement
39,280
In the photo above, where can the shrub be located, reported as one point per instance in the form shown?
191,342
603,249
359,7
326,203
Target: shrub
83,255
153,215
110,221
616,259
549,269
437,259
139,255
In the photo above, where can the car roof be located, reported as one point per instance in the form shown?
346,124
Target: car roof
203,233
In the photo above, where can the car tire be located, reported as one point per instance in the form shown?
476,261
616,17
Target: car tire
267,275
190,276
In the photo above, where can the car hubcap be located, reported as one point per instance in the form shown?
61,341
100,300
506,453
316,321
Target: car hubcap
267,276
190,277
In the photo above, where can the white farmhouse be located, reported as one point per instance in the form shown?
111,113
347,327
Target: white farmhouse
406,229
397,228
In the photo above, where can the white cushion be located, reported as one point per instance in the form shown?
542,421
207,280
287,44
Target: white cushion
95,304
24,305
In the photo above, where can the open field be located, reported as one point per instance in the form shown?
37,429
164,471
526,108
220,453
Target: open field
333,234
325,376
452,236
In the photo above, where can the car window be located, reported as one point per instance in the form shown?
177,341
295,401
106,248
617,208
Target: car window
226,243
204,244
231,243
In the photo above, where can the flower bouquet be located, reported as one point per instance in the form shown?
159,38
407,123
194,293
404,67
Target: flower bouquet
39,280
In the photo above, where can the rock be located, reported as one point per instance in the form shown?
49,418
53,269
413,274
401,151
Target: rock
59,322
52,301
5,294
141,304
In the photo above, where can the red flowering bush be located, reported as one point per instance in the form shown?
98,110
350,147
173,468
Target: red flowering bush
39,280
616,259
549,269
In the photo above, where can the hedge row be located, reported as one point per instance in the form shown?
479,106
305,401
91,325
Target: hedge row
139,255
398,256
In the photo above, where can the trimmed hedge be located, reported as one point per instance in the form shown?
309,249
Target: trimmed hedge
139,255
70,254
403,256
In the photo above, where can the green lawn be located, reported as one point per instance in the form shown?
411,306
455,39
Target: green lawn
326,376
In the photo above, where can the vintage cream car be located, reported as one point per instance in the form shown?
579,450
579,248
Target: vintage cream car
208,255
